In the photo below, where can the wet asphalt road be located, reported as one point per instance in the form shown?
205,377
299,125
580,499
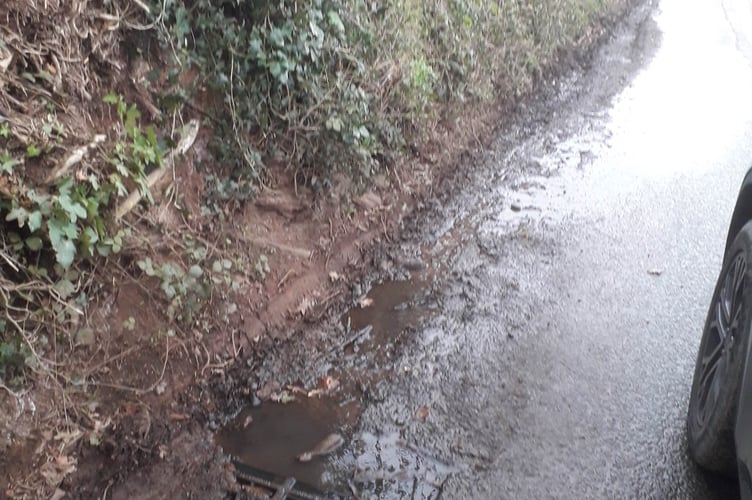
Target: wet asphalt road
579,263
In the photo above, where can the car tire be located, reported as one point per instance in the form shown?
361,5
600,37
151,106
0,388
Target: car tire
721,361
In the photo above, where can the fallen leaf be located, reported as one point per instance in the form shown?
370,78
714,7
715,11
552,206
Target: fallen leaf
55,471
365,302
327,445
329,383
334,276
422,413
283,397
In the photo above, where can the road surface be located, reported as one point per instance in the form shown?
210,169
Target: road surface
579,261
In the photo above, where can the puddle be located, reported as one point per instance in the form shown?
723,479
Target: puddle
393,307
276,434
271,436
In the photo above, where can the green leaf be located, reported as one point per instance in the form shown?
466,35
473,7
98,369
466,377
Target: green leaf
32,151
91,235
34,243
131,119
35,220
7,163
146,266
104,250
74,210
335,21
275,69
19,214
65,288
111,98
195,271
61,229
65,252
334,123
277,37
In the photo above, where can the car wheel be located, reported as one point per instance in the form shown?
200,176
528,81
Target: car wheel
720,362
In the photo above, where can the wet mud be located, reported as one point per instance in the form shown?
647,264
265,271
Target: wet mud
273,435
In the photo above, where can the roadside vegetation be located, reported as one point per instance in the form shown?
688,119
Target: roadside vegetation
99,100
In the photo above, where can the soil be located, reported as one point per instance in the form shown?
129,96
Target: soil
157,392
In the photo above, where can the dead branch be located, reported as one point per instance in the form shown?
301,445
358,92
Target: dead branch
74,159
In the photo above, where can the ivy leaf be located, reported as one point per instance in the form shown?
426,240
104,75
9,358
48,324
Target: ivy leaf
275,69
65,252
19,214
61,235
74,210
195,271
277,37
35,220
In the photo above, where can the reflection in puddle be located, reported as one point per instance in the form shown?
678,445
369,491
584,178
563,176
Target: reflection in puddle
388,467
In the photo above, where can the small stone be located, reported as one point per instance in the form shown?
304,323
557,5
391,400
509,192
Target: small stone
266,391
413,264
515,207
